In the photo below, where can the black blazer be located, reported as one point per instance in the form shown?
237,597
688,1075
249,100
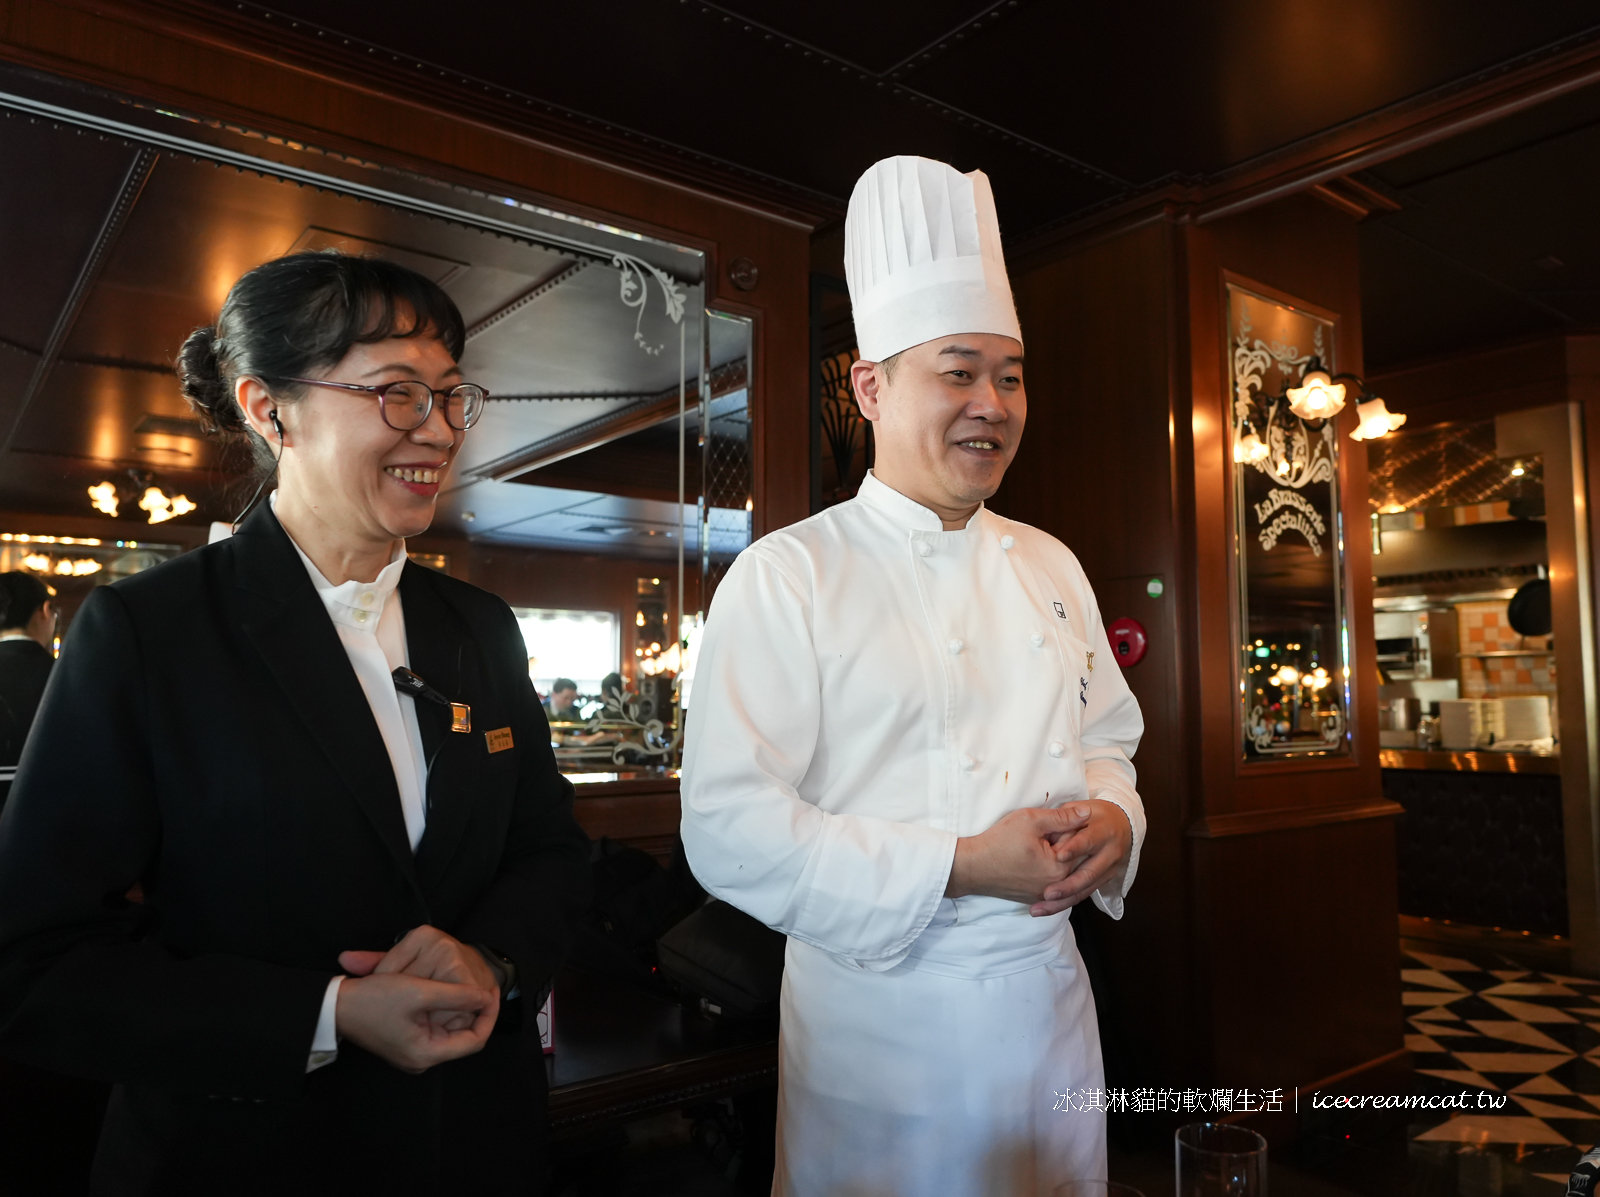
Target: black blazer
205,737
24,669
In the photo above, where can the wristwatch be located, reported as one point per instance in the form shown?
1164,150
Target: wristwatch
504,970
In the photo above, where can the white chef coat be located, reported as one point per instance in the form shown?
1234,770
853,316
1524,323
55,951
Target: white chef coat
371,625
870,688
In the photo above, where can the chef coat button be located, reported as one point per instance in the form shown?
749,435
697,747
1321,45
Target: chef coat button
1037,640
366,599
1006,542
924,548
969,763
361,617
955,648
1057,748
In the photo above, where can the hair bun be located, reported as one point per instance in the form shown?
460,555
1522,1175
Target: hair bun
200,375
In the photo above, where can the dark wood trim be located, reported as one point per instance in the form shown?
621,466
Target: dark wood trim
604,1101
627,787
1288,818
1399,1059
1455,761
1327,158
1297,763
642,813
456,97
1353,197
1171,203
1411,124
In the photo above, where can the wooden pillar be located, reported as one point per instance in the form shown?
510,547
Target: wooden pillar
1260,948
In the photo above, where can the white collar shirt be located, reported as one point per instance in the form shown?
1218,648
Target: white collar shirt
372,627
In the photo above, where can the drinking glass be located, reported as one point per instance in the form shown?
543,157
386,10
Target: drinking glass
1095,1188
1215,1160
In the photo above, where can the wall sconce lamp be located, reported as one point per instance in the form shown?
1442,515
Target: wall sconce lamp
1249,447
162,508
107,498
103,498
1277,434
1319,396
1375,420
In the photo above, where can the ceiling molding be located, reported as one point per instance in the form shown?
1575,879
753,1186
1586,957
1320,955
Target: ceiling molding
338,61
1354,198
890,80
1412,124
569,442
538,291
1331,157
636,417
134,178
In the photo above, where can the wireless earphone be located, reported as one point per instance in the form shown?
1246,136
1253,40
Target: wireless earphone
277,425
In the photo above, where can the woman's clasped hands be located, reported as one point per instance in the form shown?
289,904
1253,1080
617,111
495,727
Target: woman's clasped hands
428,999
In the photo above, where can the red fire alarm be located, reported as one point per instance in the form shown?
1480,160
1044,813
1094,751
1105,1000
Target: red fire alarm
1128,641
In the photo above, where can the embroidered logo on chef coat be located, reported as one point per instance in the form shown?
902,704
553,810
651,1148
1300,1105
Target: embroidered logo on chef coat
1083,690
1061,612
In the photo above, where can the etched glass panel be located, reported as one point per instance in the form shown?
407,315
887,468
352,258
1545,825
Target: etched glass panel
1294,684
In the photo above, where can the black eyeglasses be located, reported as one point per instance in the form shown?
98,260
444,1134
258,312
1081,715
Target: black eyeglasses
406,406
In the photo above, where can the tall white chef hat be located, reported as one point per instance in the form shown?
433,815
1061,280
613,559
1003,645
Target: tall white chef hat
922,257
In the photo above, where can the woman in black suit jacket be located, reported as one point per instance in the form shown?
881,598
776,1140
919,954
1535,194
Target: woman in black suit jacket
206,740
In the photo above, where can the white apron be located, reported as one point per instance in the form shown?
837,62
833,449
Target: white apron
869,689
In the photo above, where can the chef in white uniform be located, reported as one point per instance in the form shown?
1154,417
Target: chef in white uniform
910,749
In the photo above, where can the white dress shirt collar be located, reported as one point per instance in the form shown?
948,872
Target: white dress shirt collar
356,605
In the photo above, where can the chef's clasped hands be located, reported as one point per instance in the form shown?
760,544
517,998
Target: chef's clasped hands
1048,858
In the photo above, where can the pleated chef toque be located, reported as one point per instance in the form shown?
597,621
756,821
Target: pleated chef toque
922,257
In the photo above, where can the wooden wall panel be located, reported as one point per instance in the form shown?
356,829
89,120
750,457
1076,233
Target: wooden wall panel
1475,386
1095,470
1296,933
1307,250
1264,860
1258,883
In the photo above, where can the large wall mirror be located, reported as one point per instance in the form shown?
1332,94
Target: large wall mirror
1293,676
602,495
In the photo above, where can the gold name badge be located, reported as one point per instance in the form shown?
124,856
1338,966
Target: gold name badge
460,717
498,740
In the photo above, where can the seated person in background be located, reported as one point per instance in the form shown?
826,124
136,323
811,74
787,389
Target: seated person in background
562,705
27,626
612,689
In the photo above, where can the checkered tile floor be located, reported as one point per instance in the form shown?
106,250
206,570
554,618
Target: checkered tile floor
1532,1036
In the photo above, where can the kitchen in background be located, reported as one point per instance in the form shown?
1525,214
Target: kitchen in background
1468,703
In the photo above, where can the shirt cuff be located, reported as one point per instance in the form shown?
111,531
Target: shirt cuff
325,1043
1111,903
